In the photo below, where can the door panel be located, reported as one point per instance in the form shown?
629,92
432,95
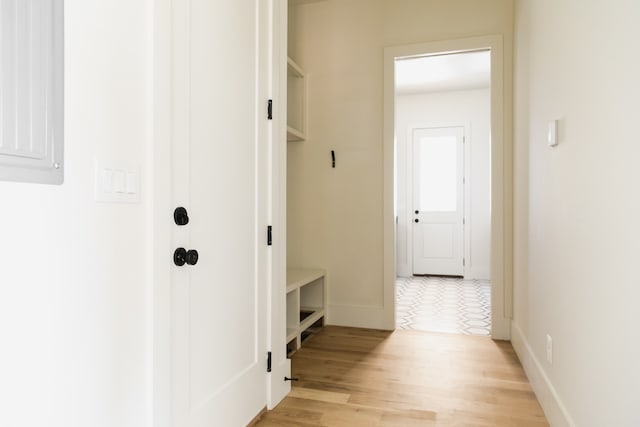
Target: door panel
438,177
440,242
218,305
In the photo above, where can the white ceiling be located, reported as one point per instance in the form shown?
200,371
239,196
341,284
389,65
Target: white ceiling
439,73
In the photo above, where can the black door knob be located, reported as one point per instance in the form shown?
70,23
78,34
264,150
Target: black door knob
181,256
180,216
417,212
416,220
192,257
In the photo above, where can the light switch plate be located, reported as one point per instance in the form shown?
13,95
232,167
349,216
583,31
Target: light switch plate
117,182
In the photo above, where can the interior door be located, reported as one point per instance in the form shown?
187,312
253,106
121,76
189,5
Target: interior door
218,303
438,200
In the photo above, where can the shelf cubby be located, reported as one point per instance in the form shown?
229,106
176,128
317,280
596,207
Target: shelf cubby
306,303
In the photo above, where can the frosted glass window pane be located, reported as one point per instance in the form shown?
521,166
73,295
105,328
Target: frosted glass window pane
438,173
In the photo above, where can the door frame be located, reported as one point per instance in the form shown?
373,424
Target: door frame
466,196
501,173
159,225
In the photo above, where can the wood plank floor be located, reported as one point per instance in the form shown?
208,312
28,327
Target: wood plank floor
361,377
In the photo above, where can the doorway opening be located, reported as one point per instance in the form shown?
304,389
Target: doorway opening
443,187
443,129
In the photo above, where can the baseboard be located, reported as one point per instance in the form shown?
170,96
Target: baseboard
402,270
500,327
255,419
355,316
555,411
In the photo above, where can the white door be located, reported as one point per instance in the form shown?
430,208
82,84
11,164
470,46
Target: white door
218,344
438,195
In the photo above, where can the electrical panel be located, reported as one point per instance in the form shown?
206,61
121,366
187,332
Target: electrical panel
31,91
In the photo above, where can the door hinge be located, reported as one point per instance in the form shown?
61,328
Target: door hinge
270,109
464,221
464,262
269,235
268,361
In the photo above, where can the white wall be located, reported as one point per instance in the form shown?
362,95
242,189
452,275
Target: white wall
577,234
335,216
469,108
72,271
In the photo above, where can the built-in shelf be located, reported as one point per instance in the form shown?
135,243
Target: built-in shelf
291,334
293,68
306,302
295,135
296,102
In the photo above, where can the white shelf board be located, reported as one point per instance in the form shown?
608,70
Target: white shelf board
294,68
294,135
292,333
297,277
312,318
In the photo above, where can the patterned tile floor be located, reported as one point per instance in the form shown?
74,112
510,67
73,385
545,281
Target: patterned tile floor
443,304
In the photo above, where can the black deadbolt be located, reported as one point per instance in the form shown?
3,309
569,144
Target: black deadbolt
180,216
417,212
181,256
416,220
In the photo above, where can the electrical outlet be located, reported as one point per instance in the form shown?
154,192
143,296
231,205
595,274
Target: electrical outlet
549,349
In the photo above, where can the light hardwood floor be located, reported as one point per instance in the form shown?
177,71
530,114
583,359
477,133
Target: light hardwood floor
360,377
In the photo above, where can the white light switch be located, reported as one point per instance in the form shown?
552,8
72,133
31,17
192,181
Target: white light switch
107,181
117,182
132,182
552,137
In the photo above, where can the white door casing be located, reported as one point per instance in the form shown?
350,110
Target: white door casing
438,200
218,306
501,270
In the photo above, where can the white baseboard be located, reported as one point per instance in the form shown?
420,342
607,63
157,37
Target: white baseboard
355,316
500,327
403,270
555,411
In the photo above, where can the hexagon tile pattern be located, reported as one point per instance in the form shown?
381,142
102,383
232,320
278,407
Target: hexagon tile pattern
443,304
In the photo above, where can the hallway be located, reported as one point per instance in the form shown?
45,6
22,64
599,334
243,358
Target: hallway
362,377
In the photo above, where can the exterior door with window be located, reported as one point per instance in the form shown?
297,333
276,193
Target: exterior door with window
438,201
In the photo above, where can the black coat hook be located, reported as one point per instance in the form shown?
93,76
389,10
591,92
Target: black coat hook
333,159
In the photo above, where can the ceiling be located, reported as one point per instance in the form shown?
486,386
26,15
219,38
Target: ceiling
440,73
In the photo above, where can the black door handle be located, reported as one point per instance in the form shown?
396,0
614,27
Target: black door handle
417,212
416,220
192,257
181,256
